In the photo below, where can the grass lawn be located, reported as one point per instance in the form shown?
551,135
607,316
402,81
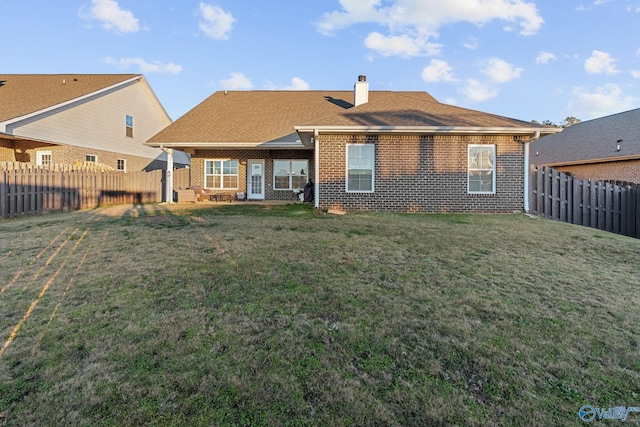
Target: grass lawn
256,315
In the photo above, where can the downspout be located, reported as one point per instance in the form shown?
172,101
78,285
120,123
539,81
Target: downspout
527,172
316,142
169,182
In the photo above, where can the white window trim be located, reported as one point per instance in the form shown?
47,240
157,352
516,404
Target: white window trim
89,161
493,174
290,173
373,171
125,165
39,155
222,175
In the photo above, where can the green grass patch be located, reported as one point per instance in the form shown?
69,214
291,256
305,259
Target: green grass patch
246,314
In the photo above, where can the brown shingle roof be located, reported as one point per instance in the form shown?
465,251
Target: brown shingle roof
263,116
22,94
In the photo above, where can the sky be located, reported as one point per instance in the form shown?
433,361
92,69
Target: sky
525,59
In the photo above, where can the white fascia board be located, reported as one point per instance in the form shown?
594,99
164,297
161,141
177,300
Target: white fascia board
228,145
3,125
430,129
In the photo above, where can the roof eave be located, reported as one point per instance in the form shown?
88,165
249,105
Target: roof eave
589,161
227,145
458,130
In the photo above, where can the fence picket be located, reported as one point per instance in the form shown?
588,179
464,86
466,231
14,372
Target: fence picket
608,206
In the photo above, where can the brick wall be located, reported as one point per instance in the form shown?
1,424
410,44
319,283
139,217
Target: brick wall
623,170
421,174
197,167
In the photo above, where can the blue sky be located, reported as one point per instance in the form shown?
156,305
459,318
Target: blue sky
527,59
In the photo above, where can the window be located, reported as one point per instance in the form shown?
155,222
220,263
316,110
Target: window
360,166
481,169
129,126
91,158
221,174
44,158
122,165
290,174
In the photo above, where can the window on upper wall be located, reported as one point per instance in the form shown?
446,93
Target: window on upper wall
290,174
91,158
122,165
44,158
129,126
360,167
481,169
221,174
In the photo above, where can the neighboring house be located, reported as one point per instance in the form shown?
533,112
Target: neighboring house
77,118
607,148
378,150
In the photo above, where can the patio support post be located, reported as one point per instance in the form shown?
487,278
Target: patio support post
169,183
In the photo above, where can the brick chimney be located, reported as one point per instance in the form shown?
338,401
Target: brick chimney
361,91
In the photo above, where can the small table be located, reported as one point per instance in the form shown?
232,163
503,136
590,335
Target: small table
219,197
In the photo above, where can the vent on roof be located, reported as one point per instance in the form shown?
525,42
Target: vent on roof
361,91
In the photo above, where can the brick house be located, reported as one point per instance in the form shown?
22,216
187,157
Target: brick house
607,148
363,150
78,118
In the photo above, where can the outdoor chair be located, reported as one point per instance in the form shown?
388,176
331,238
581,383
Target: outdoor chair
202,193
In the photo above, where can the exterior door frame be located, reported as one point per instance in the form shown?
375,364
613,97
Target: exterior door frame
250,166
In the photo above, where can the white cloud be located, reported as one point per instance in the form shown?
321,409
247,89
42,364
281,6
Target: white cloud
477,91
500,71
236,81
420,21
297,84
438,71
215,23
545,57
113,18
602,101
600,63
144,66
635,74
403,45
472,43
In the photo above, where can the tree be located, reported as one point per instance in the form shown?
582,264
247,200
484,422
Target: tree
570,121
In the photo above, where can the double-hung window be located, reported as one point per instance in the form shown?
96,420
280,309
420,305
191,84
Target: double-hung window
360,167
221,174
129,126
91,158
482,169
290,174
121,165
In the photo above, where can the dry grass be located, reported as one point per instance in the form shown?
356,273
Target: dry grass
253,315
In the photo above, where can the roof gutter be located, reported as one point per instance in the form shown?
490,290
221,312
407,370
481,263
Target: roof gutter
316,150
462,130
527,170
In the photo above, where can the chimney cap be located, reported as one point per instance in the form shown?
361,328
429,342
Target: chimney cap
362,78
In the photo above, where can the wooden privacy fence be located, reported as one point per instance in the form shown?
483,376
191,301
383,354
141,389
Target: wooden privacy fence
32,191
607,206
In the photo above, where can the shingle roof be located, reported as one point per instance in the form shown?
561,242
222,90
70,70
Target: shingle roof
22,94
591,141
263,116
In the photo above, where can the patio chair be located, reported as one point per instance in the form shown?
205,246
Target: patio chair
202,193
